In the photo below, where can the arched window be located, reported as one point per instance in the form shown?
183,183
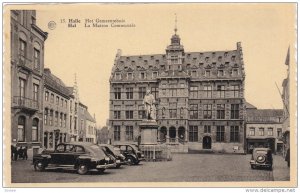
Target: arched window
36,55
21,128
35,129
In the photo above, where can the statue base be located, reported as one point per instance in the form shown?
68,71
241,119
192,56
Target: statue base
148,132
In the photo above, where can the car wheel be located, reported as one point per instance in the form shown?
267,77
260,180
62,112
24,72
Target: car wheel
130,160
82,169
137,162
253,166
101,170
39,166
118,165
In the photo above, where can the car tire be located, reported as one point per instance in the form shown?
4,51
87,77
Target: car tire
118,165
82,169
137,162
253,166
130,160
101,170
39,166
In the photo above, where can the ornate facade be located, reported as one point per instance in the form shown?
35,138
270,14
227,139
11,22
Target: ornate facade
199,97
27,67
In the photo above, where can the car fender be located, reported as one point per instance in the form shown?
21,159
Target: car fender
81,160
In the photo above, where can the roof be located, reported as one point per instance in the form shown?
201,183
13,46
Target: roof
264,115
55,83
70,89
89,117
249,106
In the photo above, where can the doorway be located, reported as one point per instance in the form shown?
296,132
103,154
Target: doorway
206,142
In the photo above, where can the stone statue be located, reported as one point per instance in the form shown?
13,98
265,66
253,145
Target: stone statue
149,104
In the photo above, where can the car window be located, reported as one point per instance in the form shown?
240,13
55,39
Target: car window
70,148
60,148
79,149
123,148
261,152
130,149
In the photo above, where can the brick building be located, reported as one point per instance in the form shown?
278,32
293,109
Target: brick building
56,111
199,95
27,67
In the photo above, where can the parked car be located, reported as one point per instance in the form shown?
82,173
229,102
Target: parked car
261,157
113,151
81,156
132,155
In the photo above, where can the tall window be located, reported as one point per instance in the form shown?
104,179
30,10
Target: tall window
117,93
51,118
154,91
207,129
71,123
143,75
129,76
207,91
52,98
35,129
56,119
261,131
142,92
220,73
252,131
35,92
117,114
22,87
234,133
235,72
65,120
23,46
207,111
234,112
270,131
236,90
36,58
46,96
193,133
207,73
173,110
129,133
21,128
220,134
46,117
173,92
57,100
75,123
60,119
221,91
194,92
221,111
194,111
154,74
129,93
117,133
129,114
61,102
279,132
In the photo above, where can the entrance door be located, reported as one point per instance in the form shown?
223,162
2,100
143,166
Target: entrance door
206,142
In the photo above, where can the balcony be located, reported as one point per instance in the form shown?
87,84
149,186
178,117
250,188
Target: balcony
25,103
25,62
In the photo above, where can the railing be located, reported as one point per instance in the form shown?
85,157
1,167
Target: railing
23,102
23,61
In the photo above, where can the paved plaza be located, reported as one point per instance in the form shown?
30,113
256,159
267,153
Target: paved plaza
183,168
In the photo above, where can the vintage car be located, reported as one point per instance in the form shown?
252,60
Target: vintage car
261,157
115,152
81,156
132,155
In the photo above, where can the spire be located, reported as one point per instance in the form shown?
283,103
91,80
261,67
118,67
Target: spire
175,29
76,93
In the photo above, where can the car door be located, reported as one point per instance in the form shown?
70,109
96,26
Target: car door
57,155
79,150
69,154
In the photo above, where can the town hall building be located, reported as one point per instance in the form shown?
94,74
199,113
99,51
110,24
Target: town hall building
199,98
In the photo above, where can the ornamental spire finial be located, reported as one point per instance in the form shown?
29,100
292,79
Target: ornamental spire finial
175,29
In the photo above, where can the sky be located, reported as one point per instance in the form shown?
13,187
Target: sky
265,31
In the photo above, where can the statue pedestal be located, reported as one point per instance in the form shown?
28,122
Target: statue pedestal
148,132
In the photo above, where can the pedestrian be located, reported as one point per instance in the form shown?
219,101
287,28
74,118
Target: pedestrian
20,152
13,152
25,156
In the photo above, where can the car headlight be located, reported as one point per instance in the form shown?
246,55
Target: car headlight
107,158
94,159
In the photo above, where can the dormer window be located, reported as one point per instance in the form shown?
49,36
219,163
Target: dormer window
140,57
201,64
133,62
146,62
154,74
156,61
235,72
164,56
194,73
207,73
152,57
225,54
122,62
127,58
213,64
143,75
129,76
188,65
117,76
226,63
220,73
232,58
189,55
201,54
213,54
220,58
194,60
206,59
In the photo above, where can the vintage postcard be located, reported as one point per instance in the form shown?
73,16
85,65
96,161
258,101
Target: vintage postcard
150,95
